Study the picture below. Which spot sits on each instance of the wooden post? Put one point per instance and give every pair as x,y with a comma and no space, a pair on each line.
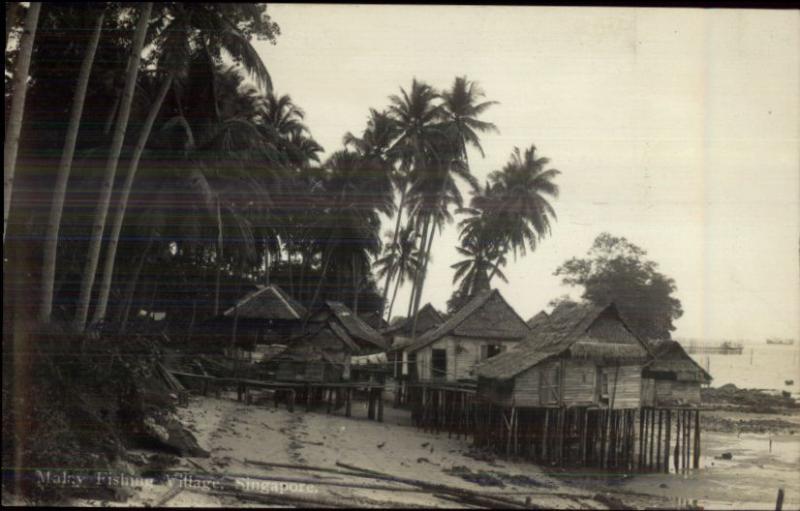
687,441
545,439
666,440
562,417
371,404
658,446
697,439
642,420
308,397
380,404
652,437
677,453
584,432
779,502
348,405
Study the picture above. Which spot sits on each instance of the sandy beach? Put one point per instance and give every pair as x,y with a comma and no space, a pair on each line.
237,435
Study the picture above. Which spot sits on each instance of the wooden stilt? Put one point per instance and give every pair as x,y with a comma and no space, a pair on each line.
348,405
584,433
667,431
677,453
696,463
545,439
658,441
380,405
652,437
642,420
687,441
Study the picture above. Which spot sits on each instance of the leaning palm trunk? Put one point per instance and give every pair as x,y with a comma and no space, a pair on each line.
11,18
325,265
99,224
64,168
394,295
394,243
119,216
422,280
132,283
20,84
412,305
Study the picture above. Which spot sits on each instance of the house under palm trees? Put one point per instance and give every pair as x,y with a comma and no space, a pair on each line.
484,327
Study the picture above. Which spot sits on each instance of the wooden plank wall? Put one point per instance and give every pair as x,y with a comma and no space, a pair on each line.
670,391
580,382
463,353
629,386
526,387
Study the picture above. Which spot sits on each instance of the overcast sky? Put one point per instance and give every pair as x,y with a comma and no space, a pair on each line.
677,129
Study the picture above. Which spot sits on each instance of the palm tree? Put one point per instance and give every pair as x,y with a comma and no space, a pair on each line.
479,261
104,200
518,198
401,261
178,39
20,88
462,107
355,191
64,168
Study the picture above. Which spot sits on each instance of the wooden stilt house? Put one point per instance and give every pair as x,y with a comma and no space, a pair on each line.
322,352
585,356
265,317
672,378
399,336
484,327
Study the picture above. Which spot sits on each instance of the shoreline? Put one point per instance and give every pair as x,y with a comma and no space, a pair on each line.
242,438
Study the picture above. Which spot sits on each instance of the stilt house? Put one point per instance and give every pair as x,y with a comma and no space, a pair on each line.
399,336
322,352
672,378
484,327
585,356
265,317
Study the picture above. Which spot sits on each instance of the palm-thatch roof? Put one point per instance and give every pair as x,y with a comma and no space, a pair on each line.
374,320
427,317
267,302
576,328
355,326
539,320
487,315
671,359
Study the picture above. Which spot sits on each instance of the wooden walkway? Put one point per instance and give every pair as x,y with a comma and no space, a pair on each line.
314,394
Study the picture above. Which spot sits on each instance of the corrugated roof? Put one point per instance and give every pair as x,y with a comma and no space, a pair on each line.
267,302
670,357
568,324
355,326
515,329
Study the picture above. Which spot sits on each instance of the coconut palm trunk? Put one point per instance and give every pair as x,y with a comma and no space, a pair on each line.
11,17
394,296
422,281
20,89
394,242
130,292
119,215
413,306
104,200
62,177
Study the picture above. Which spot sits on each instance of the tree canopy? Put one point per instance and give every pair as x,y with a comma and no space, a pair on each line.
616,270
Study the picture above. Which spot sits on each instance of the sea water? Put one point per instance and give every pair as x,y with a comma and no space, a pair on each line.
759,366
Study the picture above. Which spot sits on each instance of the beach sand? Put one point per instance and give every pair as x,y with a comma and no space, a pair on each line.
235,433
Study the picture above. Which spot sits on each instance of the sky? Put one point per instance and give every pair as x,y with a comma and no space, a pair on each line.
678,129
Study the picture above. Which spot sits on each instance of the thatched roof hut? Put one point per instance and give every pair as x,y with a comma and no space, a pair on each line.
487,315
671,361
427,318
567,360
374,320
672,377
365,337
539,320
267,303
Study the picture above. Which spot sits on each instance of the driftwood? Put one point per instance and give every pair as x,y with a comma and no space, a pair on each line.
169,495
466,496
278,498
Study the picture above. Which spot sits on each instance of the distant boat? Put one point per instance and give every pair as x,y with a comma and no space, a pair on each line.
784,342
